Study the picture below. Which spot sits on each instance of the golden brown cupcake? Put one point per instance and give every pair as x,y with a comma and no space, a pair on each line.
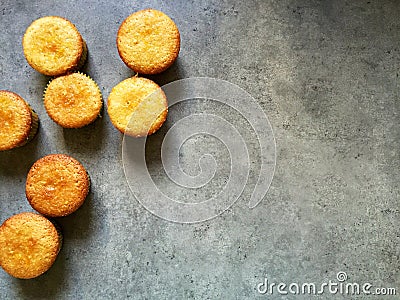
18,122
73,100
57,185
53,46
148,41
137,106
29,244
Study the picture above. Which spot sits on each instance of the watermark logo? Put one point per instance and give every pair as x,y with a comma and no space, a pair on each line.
170,207
339,286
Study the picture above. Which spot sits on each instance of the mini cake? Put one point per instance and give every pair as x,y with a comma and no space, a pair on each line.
73,100
29,245
53,46
148,41
137,106
57,185
18,122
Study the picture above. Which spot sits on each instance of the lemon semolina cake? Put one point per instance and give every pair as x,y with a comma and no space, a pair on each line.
57,185
29,245
53,46
148,41
73,100
137,107
18,122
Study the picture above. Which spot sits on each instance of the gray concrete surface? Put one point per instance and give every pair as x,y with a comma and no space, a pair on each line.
327,75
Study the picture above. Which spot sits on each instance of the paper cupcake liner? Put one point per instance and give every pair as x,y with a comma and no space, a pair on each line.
90,184
83,58
59,232
34,127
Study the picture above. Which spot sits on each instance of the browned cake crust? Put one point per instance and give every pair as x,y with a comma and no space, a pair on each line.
73,100
137,106
18,122
148,41
53,46
29,244
57,185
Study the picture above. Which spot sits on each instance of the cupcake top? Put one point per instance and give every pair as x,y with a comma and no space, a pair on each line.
15,120
148,41
57,185
73,100
29,244
53,46
137,106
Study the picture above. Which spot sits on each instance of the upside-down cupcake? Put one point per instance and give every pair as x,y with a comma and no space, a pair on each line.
18,121
137,107
29,245
148,41
57,185
73,100
53,46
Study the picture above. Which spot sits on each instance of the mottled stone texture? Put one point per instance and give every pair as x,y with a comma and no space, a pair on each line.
327,75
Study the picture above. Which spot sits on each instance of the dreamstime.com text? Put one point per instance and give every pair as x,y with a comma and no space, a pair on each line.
338,286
